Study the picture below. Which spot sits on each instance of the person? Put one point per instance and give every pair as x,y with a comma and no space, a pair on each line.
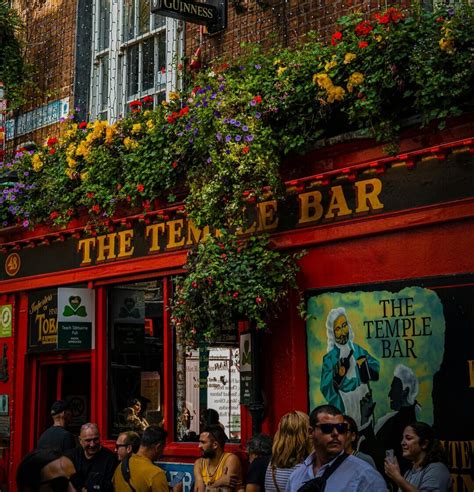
216,469
347,371
389,428
56,436
259,450
137,471
46,470
352,440
95,465
428,471
209,416
126,444
329,463
134,420
291,445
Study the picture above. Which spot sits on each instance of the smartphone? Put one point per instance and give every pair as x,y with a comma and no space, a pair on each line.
390,455
177,478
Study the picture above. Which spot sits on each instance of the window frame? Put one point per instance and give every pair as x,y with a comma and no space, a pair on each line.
117,51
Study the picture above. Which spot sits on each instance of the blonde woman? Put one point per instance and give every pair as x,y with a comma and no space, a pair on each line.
291,445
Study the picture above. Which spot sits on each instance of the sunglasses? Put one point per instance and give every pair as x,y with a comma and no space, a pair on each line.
58,484
328,428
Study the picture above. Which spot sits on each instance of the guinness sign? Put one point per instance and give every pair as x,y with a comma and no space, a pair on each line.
212,14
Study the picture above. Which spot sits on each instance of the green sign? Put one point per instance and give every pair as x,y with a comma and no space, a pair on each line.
6,315
74,335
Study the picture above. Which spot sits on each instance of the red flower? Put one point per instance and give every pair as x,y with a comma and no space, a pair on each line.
440,19
146,205
336,37
195,90
163,70
184,111
95,209
171,118
257,99
363,44
82,125
246,149
70,212
394,14
54,215
382,19
140,188
235,295
174,165
52,141
147,100
258,300
90,194
224,256
194,284
363,28
52,151
135,105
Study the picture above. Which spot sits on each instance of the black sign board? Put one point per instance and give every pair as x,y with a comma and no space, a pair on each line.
212,14
42,320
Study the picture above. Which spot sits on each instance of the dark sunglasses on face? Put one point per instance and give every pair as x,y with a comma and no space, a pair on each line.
328,428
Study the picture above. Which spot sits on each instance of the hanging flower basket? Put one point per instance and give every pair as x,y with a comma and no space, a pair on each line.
228,279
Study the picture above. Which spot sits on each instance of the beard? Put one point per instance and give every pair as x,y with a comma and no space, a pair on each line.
209,453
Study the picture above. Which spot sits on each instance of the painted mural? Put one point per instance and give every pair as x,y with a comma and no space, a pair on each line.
381,356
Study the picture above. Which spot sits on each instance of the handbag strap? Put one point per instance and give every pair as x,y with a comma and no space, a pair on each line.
273,467
319,483
332,468
125,469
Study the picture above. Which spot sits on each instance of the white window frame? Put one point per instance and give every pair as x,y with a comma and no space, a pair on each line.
117,100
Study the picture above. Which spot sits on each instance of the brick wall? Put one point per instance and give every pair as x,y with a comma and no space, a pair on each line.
49,37
283,22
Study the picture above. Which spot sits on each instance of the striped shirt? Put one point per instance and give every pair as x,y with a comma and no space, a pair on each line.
281,477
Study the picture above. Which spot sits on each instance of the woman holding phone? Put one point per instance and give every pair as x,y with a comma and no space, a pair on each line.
428,471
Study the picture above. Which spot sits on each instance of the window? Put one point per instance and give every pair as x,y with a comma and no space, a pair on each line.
134,55
208,389
135,326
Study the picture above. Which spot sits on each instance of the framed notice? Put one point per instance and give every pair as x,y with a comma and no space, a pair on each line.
6,317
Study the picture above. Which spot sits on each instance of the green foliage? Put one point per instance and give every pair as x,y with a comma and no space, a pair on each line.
13,69
229,279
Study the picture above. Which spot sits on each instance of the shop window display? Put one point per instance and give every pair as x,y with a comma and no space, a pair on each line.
208,389
135,327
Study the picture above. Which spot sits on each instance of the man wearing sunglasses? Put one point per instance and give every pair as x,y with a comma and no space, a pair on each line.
94,464
126,444
328,467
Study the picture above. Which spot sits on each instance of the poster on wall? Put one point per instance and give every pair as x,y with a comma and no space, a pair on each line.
42,320
76,317
128,314
388,355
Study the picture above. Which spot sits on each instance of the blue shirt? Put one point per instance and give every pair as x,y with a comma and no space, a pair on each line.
352,475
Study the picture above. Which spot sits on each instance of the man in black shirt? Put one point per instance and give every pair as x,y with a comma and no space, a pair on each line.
259,450
56,436
95,465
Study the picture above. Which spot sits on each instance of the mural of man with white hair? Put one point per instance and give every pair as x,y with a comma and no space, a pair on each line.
403,392
347,370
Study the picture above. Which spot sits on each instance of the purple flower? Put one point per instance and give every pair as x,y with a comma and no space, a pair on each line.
245,128
258,67
253,103
227,151
228,138
219,136
238,138
196,131
26,223
61,120
248,138
71,116
226,120
232,121
241,67
221,87
191,140
213,95
209,160
26,173
217,114
258,115
180,134
237,123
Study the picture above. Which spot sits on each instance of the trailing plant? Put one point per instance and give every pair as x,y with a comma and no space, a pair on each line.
230,278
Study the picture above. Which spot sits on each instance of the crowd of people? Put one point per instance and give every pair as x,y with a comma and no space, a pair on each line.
307,454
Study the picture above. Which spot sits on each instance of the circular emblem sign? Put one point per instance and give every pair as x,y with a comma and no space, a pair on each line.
12,264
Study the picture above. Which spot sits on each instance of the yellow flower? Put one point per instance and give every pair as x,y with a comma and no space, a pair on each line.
281,70
336,93
164,103
378,38
348,57
71,132
136,128
173,96
277,61
36,162
109,135
83,149
323,80
447,45
150,124
85,175
70,173
71,162
129,143
356,78
330,65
